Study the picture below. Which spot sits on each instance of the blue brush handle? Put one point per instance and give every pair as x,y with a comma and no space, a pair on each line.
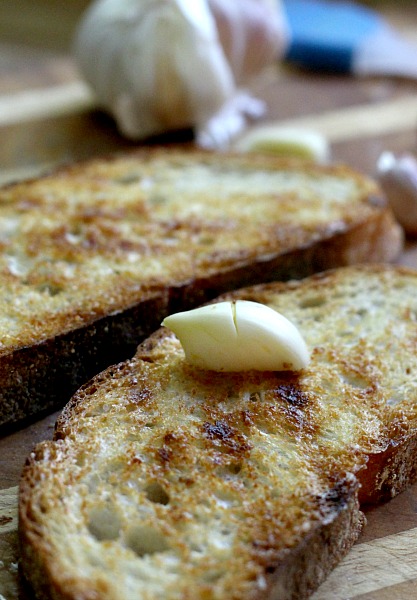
324,35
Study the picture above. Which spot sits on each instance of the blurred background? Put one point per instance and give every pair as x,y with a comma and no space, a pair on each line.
47,116
40,23
49,24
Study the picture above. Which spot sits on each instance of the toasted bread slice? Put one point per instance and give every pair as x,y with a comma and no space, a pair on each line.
95,255
167,481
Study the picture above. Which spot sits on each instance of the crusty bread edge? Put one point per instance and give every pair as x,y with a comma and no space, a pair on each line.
390,472
32,568
308,566
41,378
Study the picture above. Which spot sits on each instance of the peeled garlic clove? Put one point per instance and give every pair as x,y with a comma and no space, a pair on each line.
285,141
398,178
239,336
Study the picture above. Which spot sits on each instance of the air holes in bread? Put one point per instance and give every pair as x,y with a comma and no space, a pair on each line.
400,284
80,461
157,199
146,540
212,576
128,179
265,429
15,266
229,471
313,302
104,523
393,401
156,493
50,289
196,548
234,468
206,241
100,409
355,380
225,498
411,314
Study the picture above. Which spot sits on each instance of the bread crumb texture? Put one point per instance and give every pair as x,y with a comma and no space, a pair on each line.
165,481
100,236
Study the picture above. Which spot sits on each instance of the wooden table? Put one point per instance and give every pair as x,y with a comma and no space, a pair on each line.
47,117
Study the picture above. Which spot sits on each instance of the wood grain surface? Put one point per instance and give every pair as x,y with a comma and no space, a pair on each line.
48,117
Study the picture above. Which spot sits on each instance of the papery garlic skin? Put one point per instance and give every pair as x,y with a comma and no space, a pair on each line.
159,65
398,178
252,34
239,336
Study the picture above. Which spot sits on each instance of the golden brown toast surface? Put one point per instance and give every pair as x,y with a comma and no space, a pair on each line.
169,481
90,238
98,239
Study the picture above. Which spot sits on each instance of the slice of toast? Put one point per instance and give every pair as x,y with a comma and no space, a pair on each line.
95,255
167,481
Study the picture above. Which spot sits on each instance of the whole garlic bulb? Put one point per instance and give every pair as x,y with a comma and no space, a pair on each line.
162,65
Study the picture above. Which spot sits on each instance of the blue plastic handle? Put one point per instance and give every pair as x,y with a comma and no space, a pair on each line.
324,35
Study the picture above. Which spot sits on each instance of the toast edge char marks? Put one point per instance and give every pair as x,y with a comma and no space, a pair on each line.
295,572
73,356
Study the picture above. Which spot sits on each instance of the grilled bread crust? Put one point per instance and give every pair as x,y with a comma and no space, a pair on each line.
166,481
93,256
